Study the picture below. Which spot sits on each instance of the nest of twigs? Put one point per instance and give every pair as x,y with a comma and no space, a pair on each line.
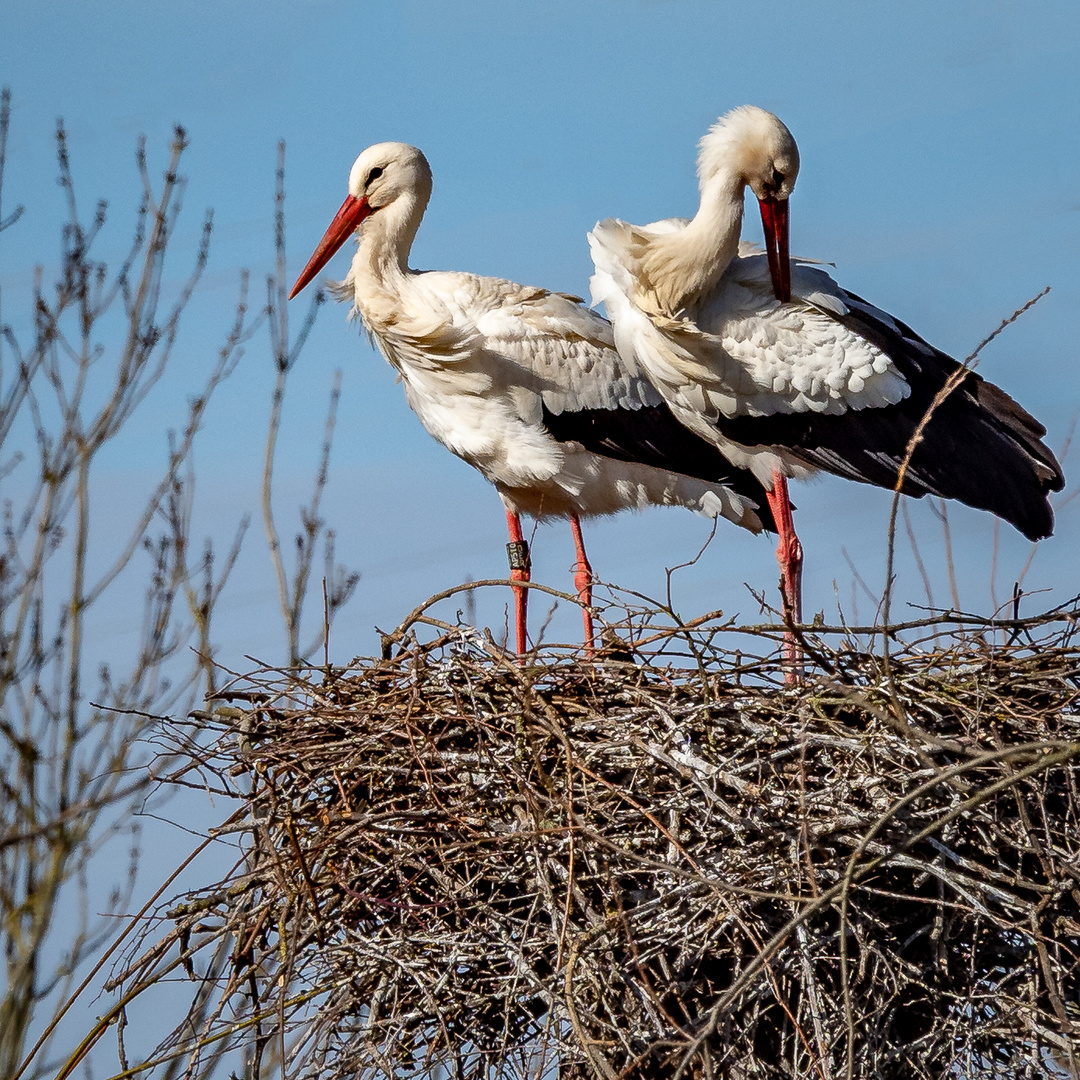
661,864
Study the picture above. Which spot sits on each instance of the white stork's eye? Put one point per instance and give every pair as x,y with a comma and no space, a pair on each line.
373,175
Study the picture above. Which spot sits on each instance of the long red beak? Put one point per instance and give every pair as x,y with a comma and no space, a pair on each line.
352,212
774,217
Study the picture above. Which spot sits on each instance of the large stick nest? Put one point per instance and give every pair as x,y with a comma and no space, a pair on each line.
633,868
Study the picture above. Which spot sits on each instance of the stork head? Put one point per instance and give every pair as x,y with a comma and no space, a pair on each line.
755,149
388,171
390,178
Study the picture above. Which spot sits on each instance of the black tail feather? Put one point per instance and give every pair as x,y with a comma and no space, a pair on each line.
652,436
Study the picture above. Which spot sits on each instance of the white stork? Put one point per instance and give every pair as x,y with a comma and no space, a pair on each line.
523,384
785,372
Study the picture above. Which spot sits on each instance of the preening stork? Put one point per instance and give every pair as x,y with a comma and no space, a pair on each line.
523,384
787,373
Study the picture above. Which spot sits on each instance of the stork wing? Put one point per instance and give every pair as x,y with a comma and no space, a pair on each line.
738,352
979,445
554,346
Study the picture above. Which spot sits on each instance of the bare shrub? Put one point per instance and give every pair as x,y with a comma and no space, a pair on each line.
73,763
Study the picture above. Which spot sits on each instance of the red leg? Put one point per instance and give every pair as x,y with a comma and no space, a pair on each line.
583,581
790,557
517,551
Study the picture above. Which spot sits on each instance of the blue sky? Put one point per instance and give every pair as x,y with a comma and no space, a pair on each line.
939,173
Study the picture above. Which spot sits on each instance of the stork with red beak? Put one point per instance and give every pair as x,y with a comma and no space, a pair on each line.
785,372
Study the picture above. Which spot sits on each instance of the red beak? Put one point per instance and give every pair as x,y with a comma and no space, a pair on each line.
774,217
352,212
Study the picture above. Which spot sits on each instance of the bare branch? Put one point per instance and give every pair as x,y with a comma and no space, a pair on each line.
293,591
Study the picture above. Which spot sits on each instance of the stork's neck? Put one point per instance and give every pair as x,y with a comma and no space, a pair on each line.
682,266
381,263
716,227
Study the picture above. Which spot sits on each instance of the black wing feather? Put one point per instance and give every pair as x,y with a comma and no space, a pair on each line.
651,435
979,446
